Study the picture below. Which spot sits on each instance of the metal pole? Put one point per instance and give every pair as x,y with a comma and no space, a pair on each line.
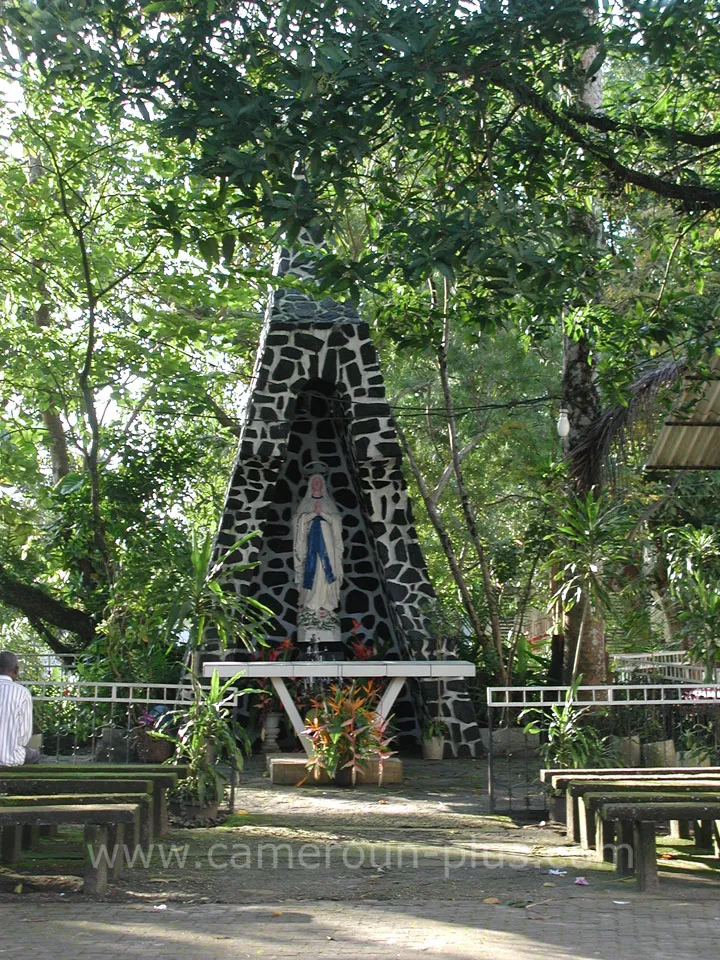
491,785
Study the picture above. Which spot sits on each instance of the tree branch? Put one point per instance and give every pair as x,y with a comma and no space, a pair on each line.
690,193
444,537
222,417
448,471
36,605
668,134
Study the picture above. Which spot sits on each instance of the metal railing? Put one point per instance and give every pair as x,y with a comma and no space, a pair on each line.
670,665
82,720
638,725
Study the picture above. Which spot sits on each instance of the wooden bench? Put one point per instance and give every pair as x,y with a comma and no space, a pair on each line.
600,834
46,789
180,768
161,781
141,835
560,779
103,835
582,823
550,773
547,774
637,832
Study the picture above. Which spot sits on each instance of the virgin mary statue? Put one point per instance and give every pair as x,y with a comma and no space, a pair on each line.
318,551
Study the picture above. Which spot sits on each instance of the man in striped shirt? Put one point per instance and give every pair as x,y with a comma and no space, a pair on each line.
15,716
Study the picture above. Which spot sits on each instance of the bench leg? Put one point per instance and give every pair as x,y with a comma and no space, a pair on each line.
605,839
96,859
571,819
586,823
11,844
624,850
115,841
30,836
703,834
557,804
147,824
160,810
716,838
680,829
645,855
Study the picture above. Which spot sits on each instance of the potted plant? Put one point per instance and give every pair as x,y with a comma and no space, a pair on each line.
345,732
658,750
267,704
204,734
568,740
698,745
434,730
628,750
433,739
149,747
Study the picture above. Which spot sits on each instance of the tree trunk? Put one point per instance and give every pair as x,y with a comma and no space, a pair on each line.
589,655
445,541
58,445
468,515
54,425
583,405
582,401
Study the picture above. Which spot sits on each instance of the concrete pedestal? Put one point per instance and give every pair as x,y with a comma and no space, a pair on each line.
290,770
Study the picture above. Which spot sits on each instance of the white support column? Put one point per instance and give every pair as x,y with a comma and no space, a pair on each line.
389,697
292,711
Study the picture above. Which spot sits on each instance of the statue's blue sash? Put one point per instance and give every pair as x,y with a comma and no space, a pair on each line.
316,550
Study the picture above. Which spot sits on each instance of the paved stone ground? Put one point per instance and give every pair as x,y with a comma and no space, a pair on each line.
417,869
584,928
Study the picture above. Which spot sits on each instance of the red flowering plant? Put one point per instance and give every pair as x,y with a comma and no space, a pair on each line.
359,647
346,732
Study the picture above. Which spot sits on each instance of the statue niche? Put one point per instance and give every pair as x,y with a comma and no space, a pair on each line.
318,564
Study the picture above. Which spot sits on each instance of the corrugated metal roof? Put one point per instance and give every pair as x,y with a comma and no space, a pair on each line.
690,437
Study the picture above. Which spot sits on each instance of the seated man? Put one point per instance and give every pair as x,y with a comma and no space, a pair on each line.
15,716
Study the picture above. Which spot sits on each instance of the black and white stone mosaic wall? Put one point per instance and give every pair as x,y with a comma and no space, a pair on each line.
318,395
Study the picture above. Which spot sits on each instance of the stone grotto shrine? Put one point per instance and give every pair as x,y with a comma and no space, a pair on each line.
317,402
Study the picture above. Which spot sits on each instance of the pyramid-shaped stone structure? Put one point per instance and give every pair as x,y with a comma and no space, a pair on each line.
318,396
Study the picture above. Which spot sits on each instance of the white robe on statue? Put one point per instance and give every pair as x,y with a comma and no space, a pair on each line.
322,594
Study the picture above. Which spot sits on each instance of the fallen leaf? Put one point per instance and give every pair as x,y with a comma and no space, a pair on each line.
276,913
491,900
18,888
